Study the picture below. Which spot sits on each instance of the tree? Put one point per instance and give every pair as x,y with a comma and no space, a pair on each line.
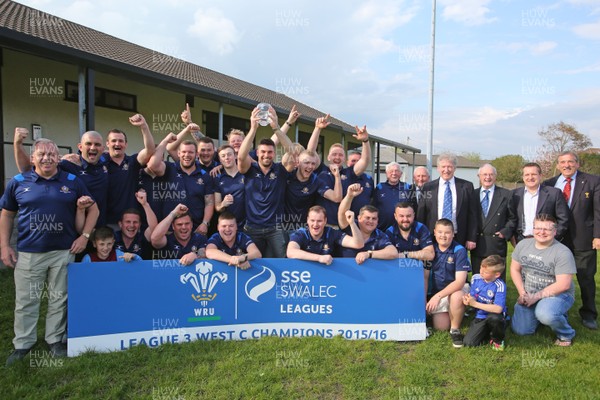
472,156
557,138
590,163
509,168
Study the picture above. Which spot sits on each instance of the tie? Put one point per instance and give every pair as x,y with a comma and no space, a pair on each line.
485,203
447,209
567,189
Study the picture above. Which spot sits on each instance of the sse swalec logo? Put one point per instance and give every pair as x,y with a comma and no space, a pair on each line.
260,284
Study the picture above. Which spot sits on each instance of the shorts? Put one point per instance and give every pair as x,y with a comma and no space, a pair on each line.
444,304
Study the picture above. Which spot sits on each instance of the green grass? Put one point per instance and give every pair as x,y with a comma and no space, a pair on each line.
307,368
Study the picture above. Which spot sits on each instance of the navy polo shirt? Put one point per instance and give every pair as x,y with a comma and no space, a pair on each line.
139,246
240,246
46,210
209,167
265,195
331,207
299,197
175,250
162,195
195,186
419,237
122,179
377,241
233,185
446,264
95,178
329,241
385,198
348,178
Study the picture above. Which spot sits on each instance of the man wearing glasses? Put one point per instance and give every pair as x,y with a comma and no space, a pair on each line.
542,270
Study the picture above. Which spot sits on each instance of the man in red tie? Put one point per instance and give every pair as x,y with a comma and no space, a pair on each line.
582,194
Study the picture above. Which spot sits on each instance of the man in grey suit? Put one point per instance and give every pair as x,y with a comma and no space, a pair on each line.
491,202
535,199
449,197
582,194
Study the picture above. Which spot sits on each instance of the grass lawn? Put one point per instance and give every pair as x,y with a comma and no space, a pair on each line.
309,368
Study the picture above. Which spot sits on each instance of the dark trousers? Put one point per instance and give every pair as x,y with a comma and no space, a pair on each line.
586,269
270,241
481,330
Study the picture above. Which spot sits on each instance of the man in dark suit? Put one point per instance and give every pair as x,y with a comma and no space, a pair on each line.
449,197
491,202
582,194
534,199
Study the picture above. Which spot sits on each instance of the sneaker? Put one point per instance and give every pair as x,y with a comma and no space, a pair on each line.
563,342
58,349
16,355
457,339
497,346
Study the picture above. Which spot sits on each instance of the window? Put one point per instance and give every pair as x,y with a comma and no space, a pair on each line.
211,121
104,97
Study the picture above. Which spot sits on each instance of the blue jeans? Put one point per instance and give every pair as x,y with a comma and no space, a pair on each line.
551,311
270,241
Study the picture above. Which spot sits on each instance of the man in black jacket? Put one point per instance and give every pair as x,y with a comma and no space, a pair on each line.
491,202
582,194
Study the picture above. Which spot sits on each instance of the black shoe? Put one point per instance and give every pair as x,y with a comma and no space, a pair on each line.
457,339
58,349
16,355
590,324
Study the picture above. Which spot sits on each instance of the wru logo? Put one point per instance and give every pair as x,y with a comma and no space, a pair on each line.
204,282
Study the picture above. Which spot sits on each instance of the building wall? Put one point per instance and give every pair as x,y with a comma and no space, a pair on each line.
33,92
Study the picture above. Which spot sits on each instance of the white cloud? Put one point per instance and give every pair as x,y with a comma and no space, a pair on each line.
542,47
468,12
377,21
218,33
535,49
588,31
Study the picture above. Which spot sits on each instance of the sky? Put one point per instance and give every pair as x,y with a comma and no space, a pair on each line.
504,69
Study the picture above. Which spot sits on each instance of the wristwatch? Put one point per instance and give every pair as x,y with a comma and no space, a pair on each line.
370,253
86,235
207,223
405,253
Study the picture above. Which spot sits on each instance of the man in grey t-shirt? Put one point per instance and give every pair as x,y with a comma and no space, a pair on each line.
542,270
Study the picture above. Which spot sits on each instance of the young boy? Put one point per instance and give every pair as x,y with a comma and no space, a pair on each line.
488,296
449,270
103,240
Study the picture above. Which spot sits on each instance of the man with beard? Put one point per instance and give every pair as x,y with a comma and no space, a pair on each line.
318,242
264,182
183,243
376,243
230,193
388,194
230,246
187,182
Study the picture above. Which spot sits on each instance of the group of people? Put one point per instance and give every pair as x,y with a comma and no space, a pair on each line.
235,204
